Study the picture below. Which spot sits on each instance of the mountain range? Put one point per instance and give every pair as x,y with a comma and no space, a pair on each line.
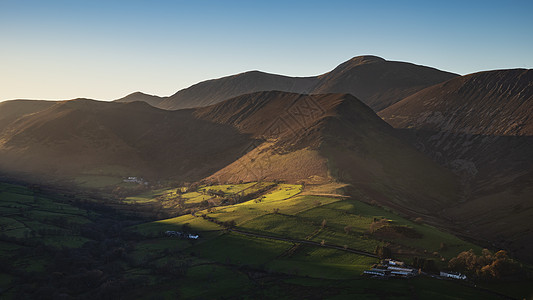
453,150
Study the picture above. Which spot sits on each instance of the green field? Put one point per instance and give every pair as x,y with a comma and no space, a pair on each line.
239,253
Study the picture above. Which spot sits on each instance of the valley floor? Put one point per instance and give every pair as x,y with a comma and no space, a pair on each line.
255,241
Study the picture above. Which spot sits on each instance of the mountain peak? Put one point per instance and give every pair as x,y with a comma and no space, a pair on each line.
153,100
364,59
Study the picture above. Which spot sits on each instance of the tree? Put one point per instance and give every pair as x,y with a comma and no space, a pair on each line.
347,229
486,266
383,251
324,222
430,266
443,246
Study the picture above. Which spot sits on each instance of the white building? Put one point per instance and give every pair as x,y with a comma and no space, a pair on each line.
377,272
393,262
453,275
182,234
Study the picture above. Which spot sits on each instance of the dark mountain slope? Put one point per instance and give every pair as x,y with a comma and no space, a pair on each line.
11,110
81,136
489,103
214,91
481,126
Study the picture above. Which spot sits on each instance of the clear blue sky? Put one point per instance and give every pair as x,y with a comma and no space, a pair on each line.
107,49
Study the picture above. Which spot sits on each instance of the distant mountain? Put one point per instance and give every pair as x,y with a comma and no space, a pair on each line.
217,90
138,96
481,126
377,82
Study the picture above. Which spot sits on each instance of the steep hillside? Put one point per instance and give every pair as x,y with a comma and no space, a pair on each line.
373,80
86,137
488,103
320,138
480,126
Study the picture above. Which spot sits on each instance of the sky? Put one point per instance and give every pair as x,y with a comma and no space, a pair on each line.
56,50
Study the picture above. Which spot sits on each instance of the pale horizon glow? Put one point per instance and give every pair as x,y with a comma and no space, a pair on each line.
105,50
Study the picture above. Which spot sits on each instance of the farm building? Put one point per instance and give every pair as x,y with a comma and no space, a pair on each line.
133,179
377,272
182,235
392,262
394,268
453,275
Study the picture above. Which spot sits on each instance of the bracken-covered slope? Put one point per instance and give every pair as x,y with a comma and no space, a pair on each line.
331,137
375,81
481,126
489,103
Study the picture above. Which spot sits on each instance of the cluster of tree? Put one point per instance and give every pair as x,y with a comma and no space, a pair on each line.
225,224
487,266
427,265
383,251
215,193
377,223
230,199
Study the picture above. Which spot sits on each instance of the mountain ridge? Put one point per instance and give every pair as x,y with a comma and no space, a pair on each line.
374,80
